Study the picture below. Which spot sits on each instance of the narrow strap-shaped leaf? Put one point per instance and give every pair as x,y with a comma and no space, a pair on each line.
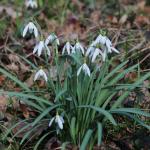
99,132
131,110
72,128
40,140
115,70
86,139
107,114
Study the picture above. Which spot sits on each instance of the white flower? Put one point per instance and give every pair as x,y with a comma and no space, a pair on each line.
90,51
67,48
95,54
39,74
79,47
52,38
85,69
40,47
105,43
99,52
31,28
31,4
58,119
100,39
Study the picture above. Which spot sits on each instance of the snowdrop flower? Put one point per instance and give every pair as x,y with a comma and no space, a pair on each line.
58,120
52,38
85,69
39,74
31,4
40,47
31,28
105,42
67,48
79,47
100,39
95,54
90,51
99,52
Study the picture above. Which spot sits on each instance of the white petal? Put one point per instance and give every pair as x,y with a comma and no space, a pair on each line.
47,41
68,47
35,32
51,121
86,70
79,47
25,31
48,50
60,124
35,49
90,50
108,45
114,49
63,51
73,50
40,47
94,44
36,76
57,41
82,49
44,76
62,120
95,54
79,70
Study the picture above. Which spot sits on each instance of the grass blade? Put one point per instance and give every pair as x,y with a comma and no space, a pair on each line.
86,139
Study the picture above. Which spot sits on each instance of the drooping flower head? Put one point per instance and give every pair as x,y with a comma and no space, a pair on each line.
31,4
52,38
85,69
40,73
67,48
40,47
58,120
78,47
31,28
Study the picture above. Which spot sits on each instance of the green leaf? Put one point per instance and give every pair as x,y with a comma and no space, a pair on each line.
130,110
99,132
60,94
72,128
102,111
40,140
86,139
115,70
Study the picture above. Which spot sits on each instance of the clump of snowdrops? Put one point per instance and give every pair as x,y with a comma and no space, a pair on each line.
81,94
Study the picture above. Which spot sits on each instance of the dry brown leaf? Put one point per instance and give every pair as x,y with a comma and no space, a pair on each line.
3,103
29,81
141,20
25,110
10,11
13,67
123,19
13,58
2,79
